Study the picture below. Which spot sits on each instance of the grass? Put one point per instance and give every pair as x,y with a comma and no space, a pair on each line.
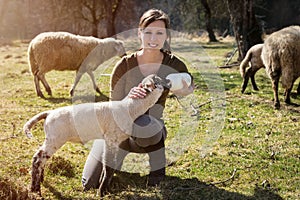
254,149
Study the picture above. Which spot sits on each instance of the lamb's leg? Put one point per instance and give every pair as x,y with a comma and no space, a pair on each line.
246,79
39,160
77,79
90,73
37,86
254,86
109,166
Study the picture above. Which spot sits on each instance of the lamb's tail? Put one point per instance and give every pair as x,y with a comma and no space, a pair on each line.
245,63
29,124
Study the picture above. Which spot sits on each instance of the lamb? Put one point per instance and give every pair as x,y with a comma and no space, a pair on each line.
65,51
253,57
111,121
281,57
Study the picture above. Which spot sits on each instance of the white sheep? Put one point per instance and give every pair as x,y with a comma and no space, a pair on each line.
65,51
111,121
281,57
252,58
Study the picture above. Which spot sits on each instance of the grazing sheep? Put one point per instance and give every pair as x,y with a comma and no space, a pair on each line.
111,121
65,51
253,57
281,57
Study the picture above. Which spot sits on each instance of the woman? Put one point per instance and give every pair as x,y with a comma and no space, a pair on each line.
149,132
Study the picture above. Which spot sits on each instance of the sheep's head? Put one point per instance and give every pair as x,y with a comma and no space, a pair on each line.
153,81
120,48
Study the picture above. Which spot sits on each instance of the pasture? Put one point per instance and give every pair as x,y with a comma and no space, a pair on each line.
223,144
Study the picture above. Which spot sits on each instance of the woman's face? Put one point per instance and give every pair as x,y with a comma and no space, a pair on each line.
154,35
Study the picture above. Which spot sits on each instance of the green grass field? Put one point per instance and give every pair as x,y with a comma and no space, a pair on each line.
229,146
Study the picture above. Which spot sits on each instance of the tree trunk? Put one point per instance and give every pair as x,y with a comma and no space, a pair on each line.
211,35
111,12
246,29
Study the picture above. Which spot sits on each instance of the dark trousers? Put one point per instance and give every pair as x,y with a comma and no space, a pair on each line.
138,143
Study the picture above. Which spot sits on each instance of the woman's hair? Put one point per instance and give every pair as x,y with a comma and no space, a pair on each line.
153,15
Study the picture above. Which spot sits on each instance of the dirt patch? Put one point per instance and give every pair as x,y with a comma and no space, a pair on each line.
9,190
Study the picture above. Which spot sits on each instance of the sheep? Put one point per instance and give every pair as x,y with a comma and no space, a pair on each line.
111,121
65,51
253,57
281,57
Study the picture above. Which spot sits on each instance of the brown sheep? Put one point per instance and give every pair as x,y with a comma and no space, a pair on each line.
281,57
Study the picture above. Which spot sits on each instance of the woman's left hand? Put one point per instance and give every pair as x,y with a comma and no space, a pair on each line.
137,92
185,90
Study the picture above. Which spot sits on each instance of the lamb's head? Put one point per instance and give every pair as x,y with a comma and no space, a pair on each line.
117,45
153,81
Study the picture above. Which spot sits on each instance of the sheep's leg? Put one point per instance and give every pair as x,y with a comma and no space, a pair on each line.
38,87
90,73
77,79
287,95
45,83
246,79
275,81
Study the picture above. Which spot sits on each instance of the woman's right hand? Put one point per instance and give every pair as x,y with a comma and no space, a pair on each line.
137,92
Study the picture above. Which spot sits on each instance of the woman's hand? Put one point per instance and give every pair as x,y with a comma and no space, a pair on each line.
186,90
137,92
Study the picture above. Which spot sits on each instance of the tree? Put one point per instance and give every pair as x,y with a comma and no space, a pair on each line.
112,8
211,34
246,28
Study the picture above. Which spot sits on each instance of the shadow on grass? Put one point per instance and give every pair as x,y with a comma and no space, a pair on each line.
133,186
177,188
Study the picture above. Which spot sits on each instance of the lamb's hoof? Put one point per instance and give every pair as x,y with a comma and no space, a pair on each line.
71,92
277,106
98,91
36,190
103,192
288,101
